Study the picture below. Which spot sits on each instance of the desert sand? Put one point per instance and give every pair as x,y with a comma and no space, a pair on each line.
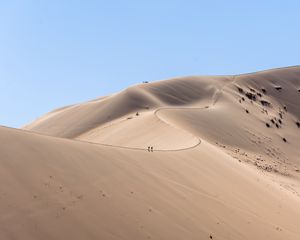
225,163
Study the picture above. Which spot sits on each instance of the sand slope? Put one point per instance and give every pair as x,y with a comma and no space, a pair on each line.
215,109
217,170
60,189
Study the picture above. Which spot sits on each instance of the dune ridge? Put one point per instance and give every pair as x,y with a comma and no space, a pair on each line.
224,163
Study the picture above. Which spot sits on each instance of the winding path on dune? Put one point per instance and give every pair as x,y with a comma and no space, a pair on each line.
215,99
125,147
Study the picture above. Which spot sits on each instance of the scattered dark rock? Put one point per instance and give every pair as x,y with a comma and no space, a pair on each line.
259,94
265,103
268,125
285,108
278,88
243,98
246,110
137,114
280,115
279,120
251,96
277,125
272,120
210,236
252,90
298,124
240,90
264,90
284,139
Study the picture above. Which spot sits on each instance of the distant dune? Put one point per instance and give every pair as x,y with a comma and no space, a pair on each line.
200,157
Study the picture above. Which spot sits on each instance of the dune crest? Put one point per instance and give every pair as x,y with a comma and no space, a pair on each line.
224,163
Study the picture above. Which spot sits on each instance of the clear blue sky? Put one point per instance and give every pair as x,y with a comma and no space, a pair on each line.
58,52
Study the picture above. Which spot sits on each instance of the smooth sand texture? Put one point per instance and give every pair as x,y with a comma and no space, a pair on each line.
217,171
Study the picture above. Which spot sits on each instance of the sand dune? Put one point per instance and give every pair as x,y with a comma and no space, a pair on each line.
225,163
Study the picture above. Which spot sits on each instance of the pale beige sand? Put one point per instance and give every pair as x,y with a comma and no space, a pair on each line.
216,171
